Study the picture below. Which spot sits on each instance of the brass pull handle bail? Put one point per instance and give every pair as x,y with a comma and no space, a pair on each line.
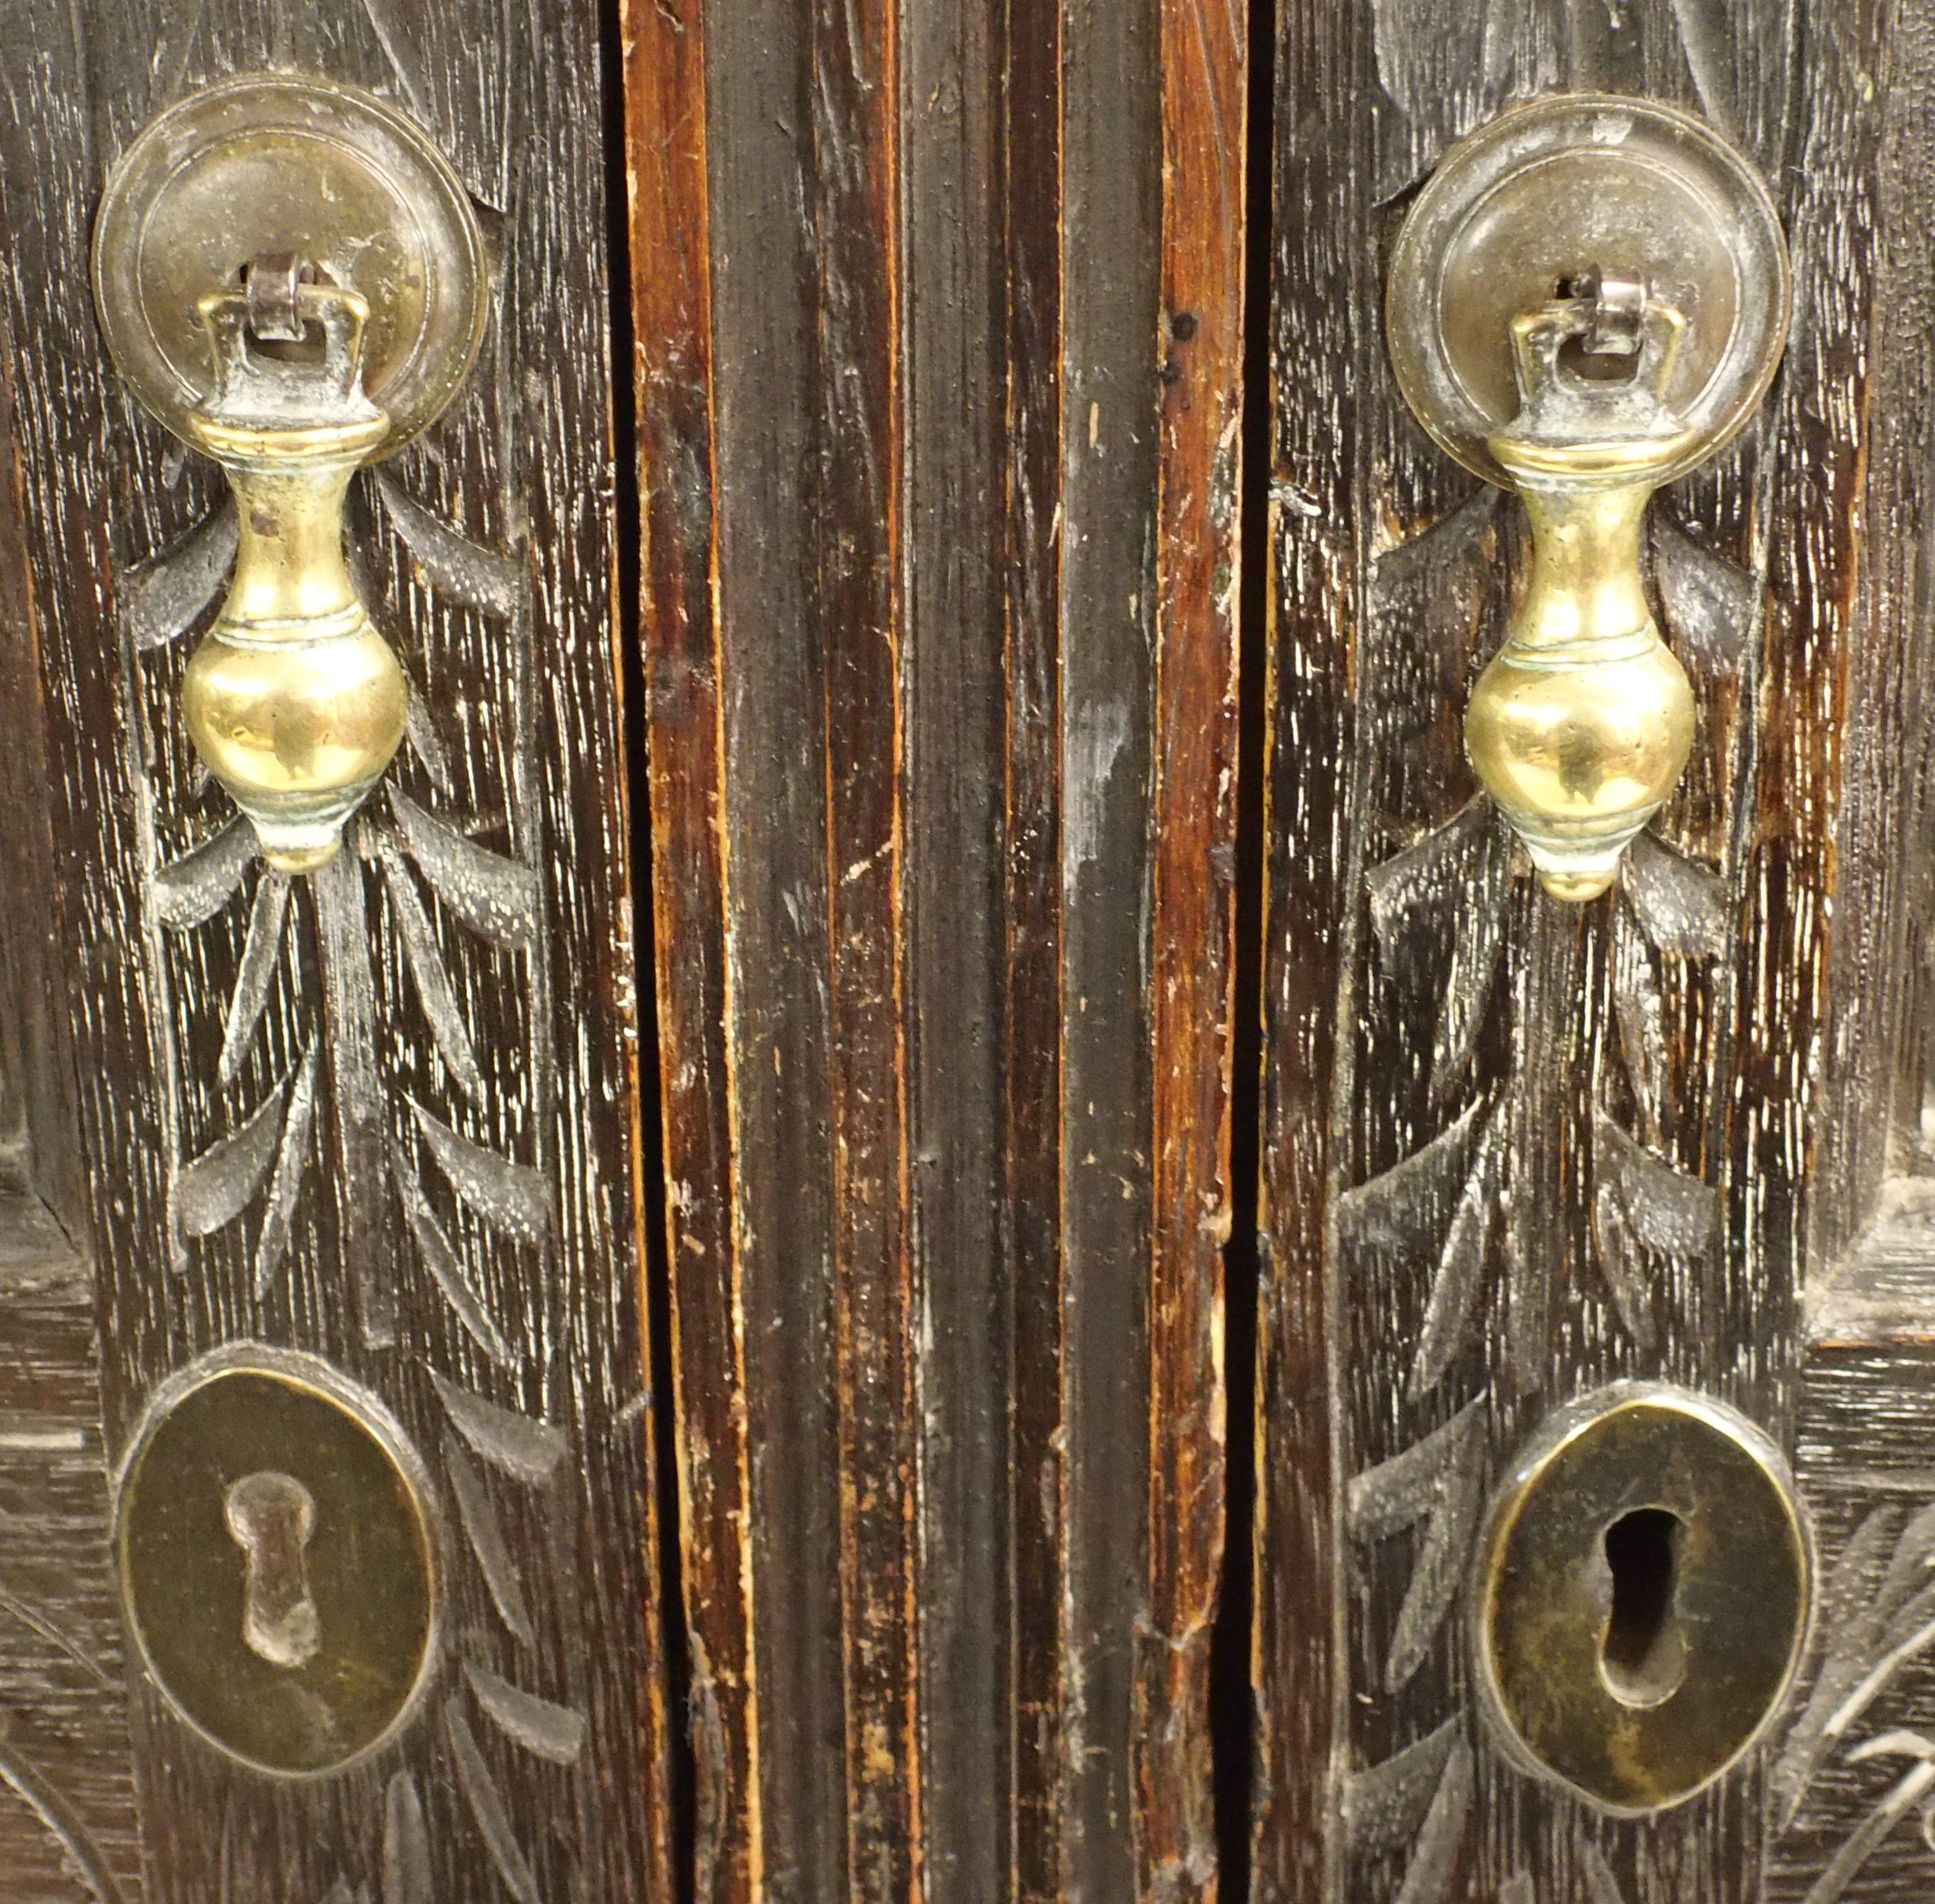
1573,238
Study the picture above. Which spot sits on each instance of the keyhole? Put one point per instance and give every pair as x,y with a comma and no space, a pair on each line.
1643,1654
272,1518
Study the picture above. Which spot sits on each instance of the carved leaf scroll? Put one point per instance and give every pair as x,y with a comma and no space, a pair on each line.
1417,1802
1877,1613
268,1155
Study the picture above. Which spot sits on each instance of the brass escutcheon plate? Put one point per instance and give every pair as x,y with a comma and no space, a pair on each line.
1638,1707
1541,194
278,1560
271,165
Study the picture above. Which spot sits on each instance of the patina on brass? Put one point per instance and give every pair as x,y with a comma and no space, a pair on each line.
278,1562
294,281
1588,300
270,166
1535,199
1636,1693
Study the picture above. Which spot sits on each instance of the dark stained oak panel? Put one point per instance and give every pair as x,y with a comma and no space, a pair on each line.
386,1114
937,384
1513,1151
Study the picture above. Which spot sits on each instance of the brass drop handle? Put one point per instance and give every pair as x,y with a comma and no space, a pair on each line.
1588,298
1581,726
294,701
292,278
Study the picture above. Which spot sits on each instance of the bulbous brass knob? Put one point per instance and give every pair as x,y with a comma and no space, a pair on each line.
295,702
1581,725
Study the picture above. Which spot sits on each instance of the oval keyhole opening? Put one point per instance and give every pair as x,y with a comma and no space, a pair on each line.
1643,1654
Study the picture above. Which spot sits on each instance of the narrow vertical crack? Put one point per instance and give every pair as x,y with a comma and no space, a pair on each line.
629,477
1233,1695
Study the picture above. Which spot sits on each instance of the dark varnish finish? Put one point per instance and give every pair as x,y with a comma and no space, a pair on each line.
1848,1806
437,1035
1204,145
1513,1151
930,365
664,83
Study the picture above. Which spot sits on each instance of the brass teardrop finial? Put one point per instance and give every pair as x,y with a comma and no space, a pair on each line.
1581,726
295,700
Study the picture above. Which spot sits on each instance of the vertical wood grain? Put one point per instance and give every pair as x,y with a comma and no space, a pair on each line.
487,553
39,1123
1204,99
855,490
665,123
1466,1085
964,708
1033,526
953,292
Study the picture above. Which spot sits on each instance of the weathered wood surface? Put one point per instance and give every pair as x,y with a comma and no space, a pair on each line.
438,1035
932,363
1512,1152
1847,1794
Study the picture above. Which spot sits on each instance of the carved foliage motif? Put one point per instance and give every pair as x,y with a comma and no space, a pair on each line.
1550,1051
323,1112
1877,1620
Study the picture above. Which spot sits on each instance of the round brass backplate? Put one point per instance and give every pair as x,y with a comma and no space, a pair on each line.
272,165
278,1560
1538,197
1644,1597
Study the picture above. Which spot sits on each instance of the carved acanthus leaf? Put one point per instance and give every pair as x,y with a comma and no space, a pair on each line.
1874,1619
440,1257
1680,904
193,889
164,597
1913,1792
512,1198
262,950
212,1190
291,1163
406,1872
485,1532
495,897
527,1449
539,1726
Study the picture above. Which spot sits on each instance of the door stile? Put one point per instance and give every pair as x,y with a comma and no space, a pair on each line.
937,372
672,329
1034,1145
1199,556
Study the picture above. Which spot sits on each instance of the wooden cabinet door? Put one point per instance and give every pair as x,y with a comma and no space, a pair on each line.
1515,1149
928,1134
938,321
880,630
376,1128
